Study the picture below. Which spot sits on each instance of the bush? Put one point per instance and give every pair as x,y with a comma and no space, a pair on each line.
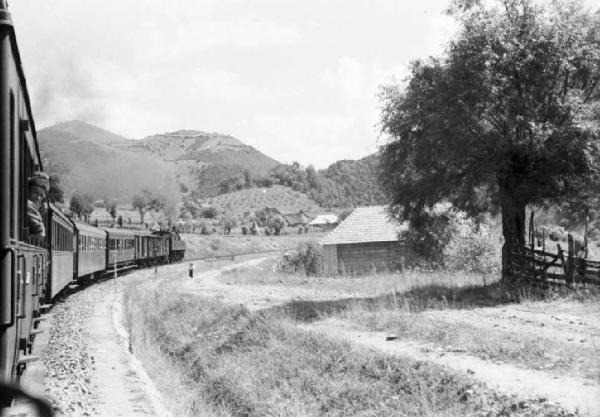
474,249
447,238
310,256
209,213
432,230
557,234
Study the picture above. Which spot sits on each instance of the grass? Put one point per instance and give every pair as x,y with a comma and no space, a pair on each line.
509,346
280,197
403,304
198,246
237,363
365,285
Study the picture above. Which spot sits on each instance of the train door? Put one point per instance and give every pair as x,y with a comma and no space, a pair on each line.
20,306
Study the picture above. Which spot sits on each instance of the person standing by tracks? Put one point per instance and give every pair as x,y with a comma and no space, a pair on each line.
191,271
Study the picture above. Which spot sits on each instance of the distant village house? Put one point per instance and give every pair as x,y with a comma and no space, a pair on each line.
325,221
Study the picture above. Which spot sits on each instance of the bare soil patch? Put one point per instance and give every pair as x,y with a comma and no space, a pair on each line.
575,394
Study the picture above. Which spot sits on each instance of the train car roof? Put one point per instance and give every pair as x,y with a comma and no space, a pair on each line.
56,212
6,23
89,229
143,233
121,232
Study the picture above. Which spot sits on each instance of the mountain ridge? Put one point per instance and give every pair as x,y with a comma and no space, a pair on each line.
193,164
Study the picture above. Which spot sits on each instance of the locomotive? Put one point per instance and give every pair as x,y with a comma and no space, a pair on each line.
34,267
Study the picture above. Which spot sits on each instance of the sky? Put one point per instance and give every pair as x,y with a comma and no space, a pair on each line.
297,80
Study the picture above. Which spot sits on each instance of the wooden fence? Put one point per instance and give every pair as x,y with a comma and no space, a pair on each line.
561,267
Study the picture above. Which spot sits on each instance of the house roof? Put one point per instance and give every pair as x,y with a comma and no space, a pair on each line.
325,219
366,224
295,218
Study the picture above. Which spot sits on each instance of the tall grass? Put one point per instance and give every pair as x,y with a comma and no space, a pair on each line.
238,363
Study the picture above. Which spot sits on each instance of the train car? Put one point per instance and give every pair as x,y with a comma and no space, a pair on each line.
120,249
175,246
90,255
160,247
61,235
24,256
142,247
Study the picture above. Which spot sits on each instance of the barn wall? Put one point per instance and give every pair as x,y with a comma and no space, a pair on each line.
330,261
361,258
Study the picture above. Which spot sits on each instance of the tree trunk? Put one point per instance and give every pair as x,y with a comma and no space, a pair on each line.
513,227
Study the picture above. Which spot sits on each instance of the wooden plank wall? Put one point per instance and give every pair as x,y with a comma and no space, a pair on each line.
330,260
362,258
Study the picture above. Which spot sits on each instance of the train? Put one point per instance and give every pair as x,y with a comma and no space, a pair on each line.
36,266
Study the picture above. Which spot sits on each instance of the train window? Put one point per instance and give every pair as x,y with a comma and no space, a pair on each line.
26,169
21,277
34,274
13,209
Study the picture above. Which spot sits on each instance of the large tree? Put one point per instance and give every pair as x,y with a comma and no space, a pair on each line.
510,111
82,205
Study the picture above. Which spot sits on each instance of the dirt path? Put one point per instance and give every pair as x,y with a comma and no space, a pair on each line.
571,393
122,386
253,297
552,322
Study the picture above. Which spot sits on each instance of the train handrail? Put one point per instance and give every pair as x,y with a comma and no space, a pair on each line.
23,279
13,261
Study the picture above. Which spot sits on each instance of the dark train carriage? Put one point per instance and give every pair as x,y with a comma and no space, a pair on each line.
24,257
61,237
120,248
177,249
175,246
142,247
90,258
160,247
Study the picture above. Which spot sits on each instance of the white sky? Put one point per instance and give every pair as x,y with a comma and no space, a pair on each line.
296,79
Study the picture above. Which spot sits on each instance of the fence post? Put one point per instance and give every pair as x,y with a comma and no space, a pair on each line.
531,238
585,236
571,261
562,259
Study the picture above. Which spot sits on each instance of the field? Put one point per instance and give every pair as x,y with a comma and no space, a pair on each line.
200,246
282,198
248,341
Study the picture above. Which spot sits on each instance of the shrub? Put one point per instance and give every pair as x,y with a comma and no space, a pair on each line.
432,230
310,256
209,213
448,238
557,234
474,249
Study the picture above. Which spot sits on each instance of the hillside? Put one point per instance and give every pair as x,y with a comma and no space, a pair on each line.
86,132
203,160
201,169
345,183
97,162
87,160
282,198
353,183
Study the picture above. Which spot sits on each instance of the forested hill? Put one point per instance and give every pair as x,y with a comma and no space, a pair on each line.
345,183
354,183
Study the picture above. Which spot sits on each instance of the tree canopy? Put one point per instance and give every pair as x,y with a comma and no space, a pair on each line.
507,116
82,205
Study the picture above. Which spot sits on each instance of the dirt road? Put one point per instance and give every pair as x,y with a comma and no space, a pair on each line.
571,393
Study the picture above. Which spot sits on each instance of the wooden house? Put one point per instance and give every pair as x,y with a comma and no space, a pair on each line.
366,241
296,219
325,222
